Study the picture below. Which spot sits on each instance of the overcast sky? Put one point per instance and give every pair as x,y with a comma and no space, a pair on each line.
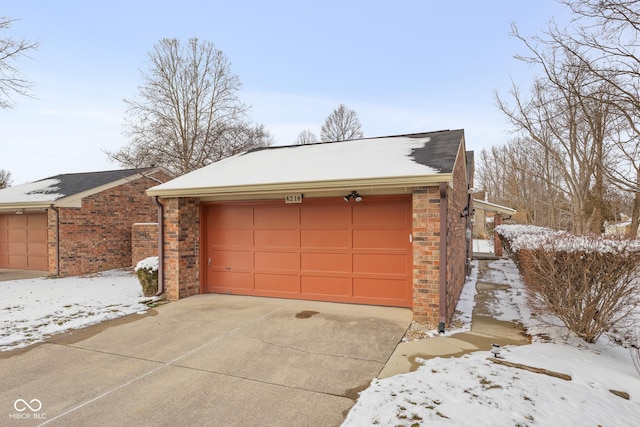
406,66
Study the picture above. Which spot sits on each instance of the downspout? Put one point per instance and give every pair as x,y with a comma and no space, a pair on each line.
53,208
443,256
160,246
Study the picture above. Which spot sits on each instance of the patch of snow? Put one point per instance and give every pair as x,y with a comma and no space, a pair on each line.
471,390
33,309
39,191
151,263
385,158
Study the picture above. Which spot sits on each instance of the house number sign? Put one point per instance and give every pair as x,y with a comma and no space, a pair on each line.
293,198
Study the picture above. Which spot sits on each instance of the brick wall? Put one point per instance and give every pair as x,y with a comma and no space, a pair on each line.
181,247
144,241
97,236
426,254
426,246
457,254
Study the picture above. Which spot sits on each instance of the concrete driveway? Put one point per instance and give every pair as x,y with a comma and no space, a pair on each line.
205,360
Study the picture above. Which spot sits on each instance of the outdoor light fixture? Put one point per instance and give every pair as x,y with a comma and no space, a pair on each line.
353,195
465,212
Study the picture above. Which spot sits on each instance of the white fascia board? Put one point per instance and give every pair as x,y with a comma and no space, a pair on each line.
492,207
305,187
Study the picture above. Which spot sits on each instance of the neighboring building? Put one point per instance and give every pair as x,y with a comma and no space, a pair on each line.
77,223
373,221
619,229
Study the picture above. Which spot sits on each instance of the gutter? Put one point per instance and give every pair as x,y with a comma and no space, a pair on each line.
443,257
160,246
57,238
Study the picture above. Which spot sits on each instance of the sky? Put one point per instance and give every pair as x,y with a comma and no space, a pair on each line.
404,67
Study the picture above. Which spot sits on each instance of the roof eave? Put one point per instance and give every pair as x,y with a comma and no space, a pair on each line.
306,187
12,207
493,207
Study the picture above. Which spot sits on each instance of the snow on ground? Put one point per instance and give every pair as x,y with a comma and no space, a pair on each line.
473,391
33,309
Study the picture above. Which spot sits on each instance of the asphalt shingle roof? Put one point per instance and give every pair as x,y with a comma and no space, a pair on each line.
74,183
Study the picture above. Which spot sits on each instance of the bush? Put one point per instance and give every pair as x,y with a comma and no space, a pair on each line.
147,273
592,284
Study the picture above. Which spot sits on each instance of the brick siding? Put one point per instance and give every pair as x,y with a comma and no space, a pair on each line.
144,241
426,247
97,236
181,247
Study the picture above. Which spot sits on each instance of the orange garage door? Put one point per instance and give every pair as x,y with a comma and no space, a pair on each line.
321,249
23,241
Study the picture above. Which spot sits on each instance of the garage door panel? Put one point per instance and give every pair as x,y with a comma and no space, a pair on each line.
232,238
388,289
329,215
37,221
329,238
380,263
280,238
231,216
380,213
37,249
18,261
277,261
275,216
231,259
221,281
17,235
19,248
326,286
277,283
327,262
17,221
37,235
380,239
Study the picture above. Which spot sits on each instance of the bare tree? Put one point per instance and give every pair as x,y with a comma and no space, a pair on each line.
568,116
5,178
188,113
604,39
11,80
341,125
306,137
520,175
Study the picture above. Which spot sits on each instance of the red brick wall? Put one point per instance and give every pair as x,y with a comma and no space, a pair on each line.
181,247
97,236
457,234
144,241
426,254
426,247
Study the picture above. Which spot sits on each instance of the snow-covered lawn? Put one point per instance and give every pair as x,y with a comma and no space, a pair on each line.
473,391
464,391
33,309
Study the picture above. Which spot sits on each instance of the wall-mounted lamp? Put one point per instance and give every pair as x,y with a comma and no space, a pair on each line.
465,212
353,195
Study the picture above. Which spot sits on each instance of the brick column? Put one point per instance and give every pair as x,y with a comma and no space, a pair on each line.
497,244
426,255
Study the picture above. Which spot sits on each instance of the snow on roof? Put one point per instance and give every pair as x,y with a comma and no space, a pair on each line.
372,158
46,190
64,186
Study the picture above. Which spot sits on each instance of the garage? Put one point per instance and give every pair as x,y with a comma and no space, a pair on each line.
23,241
319,249
380,221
